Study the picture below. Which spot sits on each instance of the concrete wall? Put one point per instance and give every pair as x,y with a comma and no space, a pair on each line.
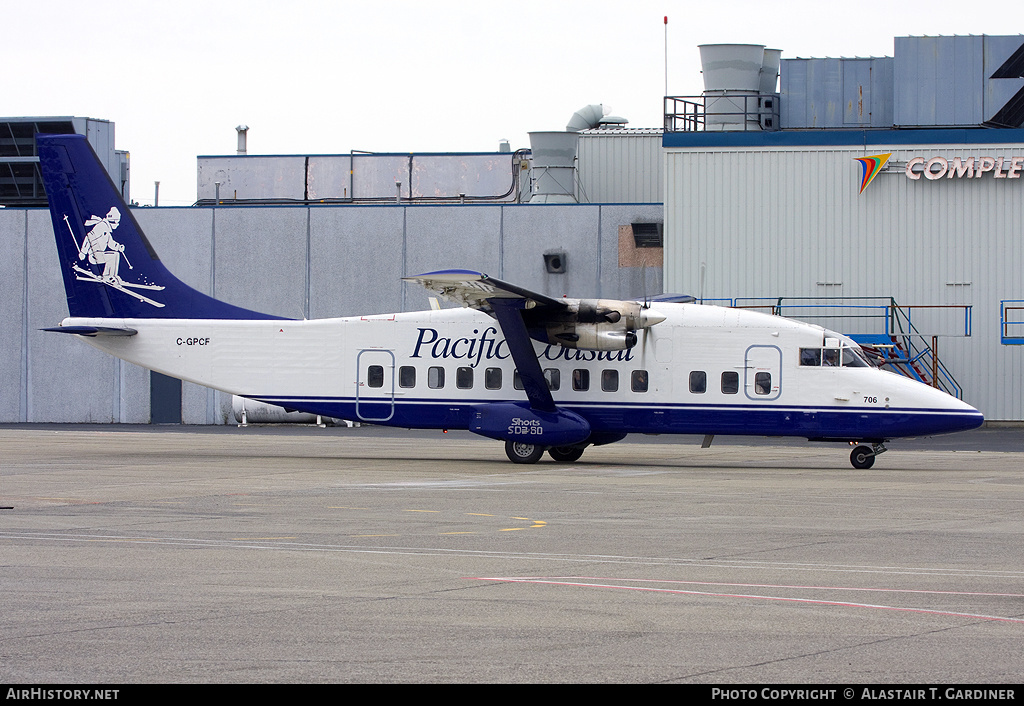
294,261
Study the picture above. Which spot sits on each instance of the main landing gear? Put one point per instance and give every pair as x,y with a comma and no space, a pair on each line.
863,457
519,452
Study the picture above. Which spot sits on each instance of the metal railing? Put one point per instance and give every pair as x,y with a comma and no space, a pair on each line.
741,111
1011,322
899,343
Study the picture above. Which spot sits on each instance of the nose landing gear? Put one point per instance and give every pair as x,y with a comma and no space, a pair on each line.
863,457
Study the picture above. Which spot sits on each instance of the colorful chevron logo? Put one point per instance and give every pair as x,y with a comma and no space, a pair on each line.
869,167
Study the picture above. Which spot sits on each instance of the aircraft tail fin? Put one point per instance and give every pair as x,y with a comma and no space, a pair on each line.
110,269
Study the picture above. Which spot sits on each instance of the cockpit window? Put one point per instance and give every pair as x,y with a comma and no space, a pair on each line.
847,357
810,356
854,358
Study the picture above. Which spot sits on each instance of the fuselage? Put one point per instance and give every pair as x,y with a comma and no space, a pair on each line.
703,370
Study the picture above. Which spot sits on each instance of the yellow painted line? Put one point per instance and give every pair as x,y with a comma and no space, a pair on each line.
512,529
479,514
520,518
70,500
421,511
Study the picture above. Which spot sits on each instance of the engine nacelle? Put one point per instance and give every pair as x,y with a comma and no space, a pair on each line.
598,337
597,324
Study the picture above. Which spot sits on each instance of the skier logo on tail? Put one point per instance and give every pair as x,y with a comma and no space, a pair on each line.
100,248
99,244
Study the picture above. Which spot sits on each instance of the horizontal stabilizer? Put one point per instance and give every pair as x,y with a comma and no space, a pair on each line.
92,330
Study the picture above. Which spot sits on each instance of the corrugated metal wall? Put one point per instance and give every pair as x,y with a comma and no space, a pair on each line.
836,93
619,166
358,176
788,221
952,80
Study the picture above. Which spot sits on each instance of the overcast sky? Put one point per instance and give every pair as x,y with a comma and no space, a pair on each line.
320,77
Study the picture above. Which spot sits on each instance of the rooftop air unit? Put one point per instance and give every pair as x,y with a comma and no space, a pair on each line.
732,85
554,166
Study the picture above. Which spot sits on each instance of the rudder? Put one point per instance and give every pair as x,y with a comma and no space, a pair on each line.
110,269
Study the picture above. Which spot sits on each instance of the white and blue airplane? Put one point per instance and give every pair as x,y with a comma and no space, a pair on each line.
539,373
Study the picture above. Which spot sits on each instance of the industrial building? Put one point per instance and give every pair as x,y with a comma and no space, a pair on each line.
887,202
880,196
20,181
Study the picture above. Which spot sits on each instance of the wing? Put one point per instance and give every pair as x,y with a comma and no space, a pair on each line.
474,289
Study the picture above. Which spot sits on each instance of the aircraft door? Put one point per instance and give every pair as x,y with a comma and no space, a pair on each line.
763,373
375,385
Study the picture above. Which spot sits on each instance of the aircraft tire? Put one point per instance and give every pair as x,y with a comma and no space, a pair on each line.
565,454
862,458
519,452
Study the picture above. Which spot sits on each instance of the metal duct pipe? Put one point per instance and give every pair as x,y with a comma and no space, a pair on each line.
592,116
243,130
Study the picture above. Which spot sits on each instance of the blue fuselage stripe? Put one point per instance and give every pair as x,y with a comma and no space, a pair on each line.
761,420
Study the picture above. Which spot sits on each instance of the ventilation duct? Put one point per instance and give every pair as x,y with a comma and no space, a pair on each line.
732,83
553,166
593,116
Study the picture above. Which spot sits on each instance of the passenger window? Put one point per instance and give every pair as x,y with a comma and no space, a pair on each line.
698,382
464,378
553,377
517,382
762,383
638,381
375,376
610,380
407,376
435,378
730,383
492,378
810,356
580,380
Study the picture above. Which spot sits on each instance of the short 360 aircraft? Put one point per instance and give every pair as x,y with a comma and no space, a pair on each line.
513,365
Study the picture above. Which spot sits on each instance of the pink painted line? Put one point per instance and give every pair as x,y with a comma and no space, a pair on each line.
776,585
784,599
